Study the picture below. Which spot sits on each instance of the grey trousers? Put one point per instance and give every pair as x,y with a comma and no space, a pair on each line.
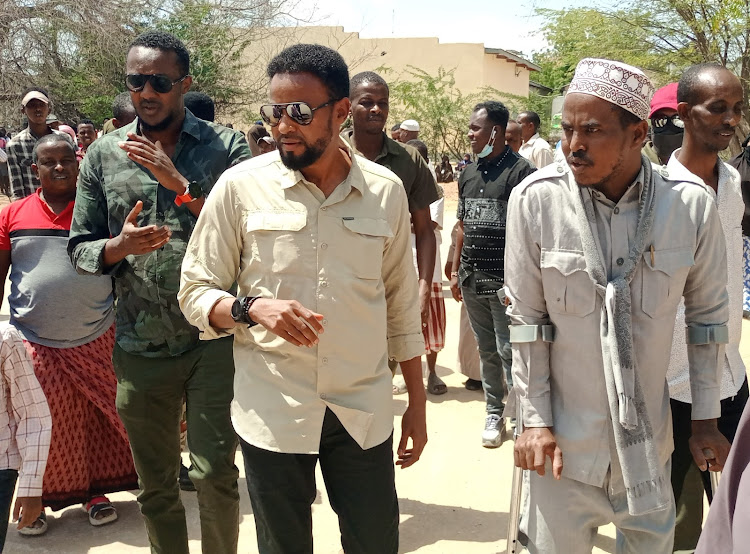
563,517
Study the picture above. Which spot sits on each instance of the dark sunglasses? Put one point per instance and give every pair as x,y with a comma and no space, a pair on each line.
160,83
299,112
661,122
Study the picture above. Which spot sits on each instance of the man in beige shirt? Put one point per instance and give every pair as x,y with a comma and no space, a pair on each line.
318,242
534,148
605,248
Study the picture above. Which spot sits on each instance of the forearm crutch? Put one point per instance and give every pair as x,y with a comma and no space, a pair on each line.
715,475
514,513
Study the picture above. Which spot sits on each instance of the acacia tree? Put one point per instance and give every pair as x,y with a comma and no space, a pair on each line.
662,37
76,48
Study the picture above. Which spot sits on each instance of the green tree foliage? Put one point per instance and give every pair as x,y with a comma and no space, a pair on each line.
662,37
76,48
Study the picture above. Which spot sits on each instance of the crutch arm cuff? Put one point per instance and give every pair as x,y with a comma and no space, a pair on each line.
718,334
532,333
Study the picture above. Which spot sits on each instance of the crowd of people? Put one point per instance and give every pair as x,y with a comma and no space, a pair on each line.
273,290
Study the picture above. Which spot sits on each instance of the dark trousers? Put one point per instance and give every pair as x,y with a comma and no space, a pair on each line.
686,477
360,484
150,392
8,479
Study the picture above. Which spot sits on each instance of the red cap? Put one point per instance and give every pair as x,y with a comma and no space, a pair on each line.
665,97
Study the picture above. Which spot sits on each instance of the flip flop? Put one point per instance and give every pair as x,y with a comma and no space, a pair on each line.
39,527
101,511
435,384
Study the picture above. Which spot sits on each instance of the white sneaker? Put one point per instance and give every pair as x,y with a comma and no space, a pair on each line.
494,431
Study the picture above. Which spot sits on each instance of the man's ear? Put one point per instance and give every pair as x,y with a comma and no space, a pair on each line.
640,132
683,110
342,109
35,169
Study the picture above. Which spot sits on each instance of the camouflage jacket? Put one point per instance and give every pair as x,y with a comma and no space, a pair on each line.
149,320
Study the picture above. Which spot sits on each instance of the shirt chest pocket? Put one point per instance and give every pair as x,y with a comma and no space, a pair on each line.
275,238
568,289
362,243
664,273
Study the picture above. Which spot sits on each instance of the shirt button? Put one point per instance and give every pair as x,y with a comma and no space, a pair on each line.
481,190
324,322
324,284
324,360
485,173
617,210
323,246
560,169
620,261
323,208
323,396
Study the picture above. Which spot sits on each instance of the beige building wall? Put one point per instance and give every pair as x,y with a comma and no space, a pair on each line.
475,66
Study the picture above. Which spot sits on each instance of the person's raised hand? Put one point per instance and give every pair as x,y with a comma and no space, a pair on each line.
152,156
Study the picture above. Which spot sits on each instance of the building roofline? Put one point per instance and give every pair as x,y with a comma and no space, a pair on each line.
511,57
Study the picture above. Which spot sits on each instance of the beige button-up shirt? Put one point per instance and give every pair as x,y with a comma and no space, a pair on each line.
347,257
731,208
561,384
537,151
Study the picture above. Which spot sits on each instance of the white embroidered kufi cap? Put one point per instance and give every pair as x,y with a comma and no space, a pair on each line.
616,82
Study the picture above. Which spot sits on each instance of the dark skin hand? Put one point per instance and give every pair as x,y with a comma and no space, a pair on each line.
153,157
135,240
26,510
534,446
708,446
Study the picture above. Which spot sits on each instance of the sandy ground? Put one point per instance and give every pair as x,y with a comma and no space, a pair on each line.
454,500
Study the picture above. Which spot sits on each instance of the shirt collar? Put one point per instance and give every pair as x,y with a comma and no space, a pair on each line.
632,193
497,160
680,172
532,139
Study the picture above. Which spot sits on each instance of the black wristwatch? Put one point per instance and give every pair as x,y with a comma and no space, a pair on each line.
240,308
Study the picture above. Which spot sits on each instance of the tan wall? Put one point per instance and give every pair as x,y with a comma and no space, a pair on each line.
474,68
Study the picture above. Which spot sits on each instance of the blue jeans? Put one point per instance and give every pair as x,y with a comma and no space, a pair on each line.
490,325
8,479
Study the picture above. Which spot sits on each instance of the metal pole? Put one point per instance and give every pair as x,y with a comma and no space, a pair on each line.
514,512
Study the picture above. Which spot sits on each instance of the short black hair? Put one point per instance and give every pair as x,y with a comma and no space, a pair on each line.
165,42
121,104
367,77
497,113
326,64
200,104
85,122
396,127
533,118
52,138
625,117
421,147
688,83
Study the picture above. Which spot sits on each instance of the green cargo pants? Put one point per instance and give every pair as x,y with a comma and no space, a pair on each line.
149,401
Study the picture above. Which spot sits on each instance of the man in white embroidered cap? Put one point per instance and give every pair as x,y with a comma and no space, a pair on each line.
601,250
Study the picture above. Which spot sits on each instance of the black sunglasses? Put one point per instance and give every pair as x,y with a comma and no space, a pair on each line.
661,122
160,83
299,112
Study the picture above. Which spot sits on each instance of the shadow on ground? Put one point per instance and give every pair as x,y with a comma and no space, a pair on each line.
431,523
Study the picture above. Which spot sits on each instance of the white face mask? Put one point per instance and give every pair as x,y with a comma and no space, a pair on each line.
487,150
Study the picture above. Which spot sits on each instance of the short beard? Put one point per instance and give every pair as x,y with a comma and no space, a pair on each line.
311,154
161,126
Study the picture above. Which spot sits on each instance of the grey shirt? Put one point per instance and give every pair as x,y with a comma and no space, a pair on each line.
561,384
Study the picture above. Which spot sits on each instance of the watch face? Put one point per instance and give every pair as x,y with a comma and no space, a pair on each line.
237,309
195,189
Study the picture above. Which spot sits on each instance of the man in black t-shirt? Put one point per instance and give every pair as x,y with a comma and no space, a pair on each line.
477,278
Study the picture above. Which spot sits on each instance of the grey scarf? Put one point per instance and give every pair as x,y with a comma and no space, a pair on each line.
647,488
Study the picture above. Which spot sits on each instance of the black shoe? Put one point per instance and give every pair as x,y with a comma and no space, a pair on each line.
473,384
184,479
